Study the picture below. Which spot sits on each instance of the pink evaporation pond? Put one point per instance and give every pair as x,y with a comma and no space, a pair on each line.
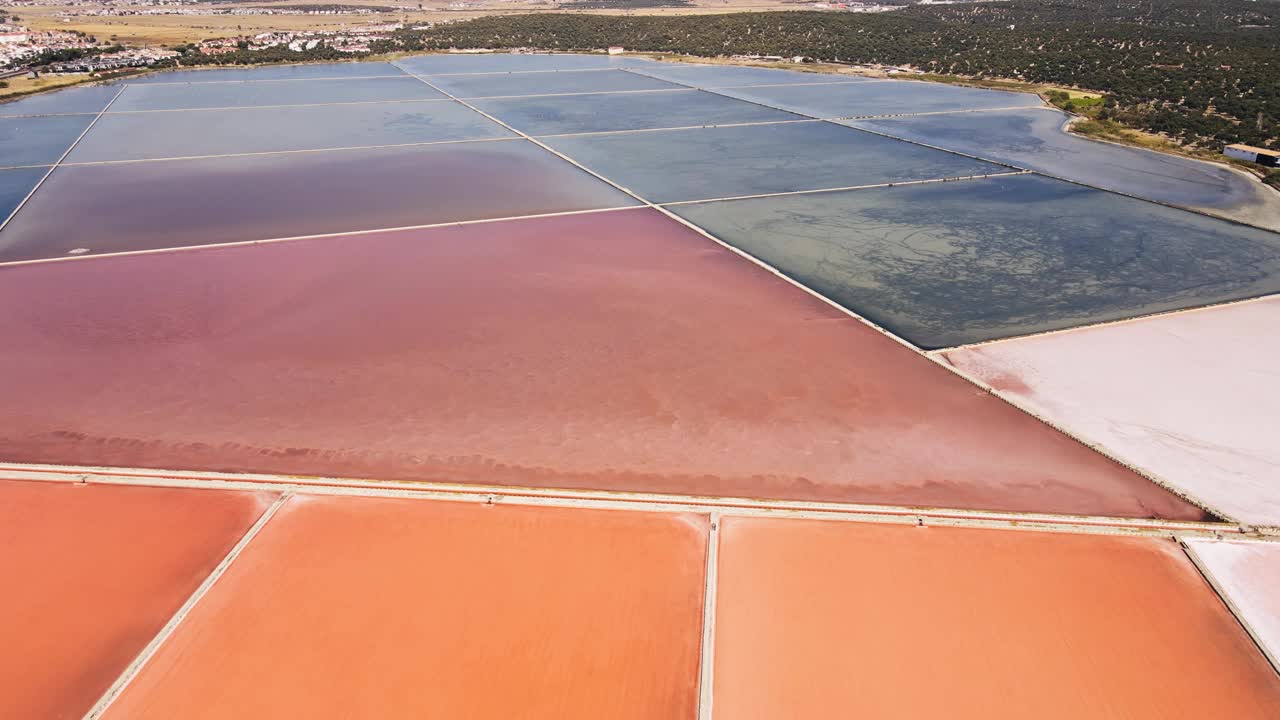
608,351
1189,397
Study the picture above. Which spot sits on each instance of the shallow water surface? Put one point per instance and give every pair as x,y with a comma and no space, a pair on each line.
310,71
951,263
722,76
625,111
700,164
134,136
286,92
1034,139
89,99
881,97
512,62
175,203
38,140
14,186
616,351
546,83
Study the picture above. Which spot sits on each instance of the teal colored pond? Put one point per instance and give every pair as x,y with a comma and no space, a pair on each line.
947,264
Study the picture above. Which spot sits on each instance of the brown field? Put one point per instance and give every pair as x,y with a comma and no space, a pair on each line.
178,29
24,86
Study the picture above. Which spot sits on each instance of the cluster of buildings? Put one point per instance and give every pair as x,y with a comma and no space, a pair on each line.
127,58
177,9
103,3
17,43
856,7
353,40
491,4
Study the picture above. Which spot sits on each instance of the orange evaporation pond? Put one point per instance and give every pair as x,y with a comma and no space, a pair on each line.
349,607
91,574
832,619
609,351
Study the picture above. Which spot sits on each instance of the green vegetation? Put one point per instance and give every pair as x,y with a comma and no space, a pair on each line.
1198,72
191,56
1089,106
1273,179
1112,131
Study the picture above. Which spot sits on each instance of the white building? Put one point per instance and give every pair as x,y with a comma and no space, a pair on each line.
1262,156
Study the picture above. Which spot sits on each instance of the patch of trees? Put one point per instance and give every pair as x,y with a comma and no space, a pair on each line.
1201,72
1194,15
49,57
191,56
1088,106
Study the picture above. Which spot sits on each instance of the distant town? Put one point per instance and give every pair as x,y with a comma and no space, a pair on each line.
25,50
83,53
